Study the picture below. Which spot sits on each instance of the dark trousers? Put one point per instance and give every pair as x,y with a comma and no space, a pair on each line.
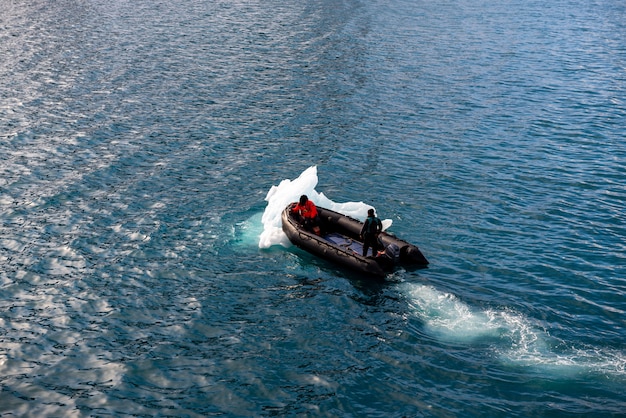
370,240
311,224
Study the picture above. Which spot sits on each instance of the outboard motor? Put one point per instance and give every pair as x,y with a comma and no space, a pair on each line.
389,258
393,253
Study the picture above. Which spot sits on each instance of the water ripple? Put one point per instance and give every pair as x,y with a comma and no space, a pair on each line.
138,141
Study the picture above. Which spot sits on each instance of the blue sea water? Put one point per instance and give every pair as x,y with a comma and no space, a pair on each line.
143,143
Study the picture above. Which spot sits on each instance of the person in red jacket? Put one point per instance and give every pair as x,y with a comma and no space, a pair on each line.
307,213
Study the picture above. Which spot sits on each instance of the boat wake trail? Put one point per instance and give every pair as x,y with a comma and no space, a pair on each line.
516,340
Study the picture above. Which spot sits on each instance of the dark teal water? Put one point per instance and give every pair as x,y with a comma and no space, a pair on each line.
139,141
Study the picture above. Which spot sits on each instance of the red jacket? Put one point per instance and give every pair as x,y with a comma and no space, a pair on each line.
308,211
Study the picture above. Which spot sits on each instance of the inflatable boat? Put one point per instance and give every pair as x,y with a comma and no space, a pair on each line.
339,242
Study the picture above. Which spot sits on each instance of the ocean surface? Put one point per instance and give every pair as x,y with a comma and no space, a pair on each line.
143,145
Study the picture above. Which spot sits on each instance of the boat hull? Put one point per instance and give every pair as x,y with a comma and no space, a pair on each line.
341,244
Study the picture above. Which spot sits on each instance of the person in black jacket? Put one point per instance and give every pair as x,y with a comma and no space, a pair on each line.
370,231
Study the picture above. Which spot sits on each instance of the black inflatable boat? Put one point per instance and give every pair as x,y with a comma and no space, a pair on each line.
340,243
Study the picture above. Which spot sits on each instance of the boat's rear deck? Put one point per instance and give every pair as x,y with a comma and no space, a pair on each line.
346,242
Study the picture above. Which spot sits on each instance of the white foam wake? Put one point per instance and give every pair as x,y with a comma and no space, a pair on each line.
515,339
